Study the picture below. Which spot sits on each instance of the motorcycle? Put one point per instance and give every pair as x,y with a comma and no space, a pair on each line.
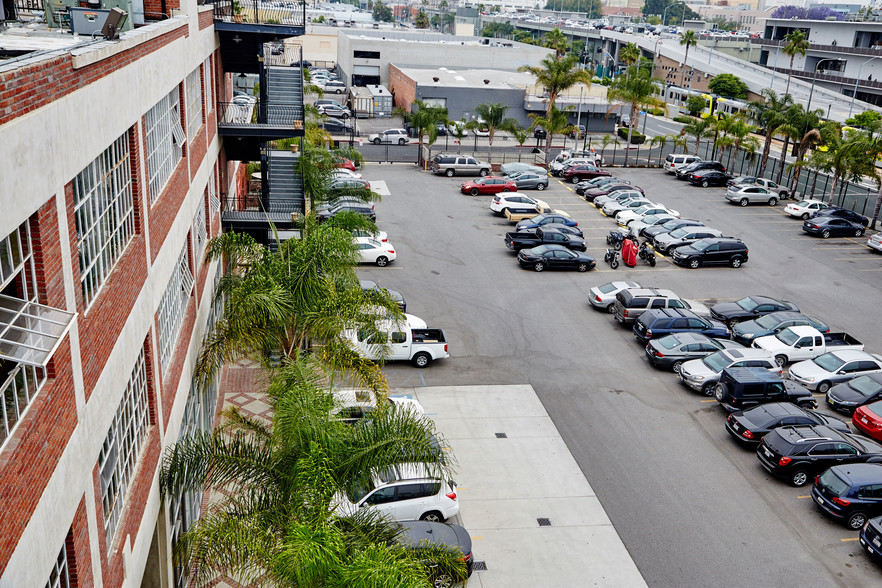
646,253
615,238
611,257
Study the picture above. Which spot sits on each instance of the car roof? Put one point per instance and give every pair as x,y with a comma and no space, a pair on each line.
809,433
414,533
778,409
747,353
687,337
751,374
851,354
860,473
657,313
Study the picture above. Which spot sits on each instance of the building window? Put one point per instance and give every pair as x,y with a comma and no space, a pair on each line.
366,54
212,191
105,215
194,103
209,82
29,332
122,445
172,308
59,577
165,141
200,235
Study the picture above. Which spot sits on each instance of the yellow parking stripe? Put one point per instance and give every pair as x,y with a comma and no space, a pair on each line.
850,539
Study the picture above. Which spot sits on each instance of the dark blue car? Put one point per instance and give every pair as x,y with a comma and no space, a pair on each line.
832,226
545,219
839,212
871,538
850,493
664,321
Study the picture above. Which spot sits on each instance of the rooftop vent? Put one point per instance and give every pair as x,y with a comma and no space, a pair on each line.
486,81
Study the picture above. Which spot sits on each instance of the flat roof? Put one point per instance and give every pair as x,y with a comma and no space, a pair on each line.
472,78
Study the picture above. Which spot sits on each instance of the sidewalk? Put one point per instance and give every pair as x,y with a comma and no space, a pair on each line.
507,484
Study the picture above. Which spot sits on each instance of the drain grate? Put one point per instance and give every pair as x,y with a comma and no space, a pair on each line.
501,436
544,522
479,566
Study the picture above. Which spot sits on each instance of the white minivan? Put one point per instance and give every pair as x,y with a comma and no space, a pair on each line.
675,161
404,492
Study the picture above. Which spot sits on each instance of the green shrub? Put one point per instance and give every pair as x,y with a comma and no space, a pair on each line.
636,138
683,119
657,111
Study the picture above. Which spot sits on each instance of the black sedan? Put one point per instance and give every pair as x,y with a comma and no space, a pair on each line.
773,323
741,180
668,226
832,226
670,351
751,425
589,192
415,534
748,308
710,177
554,257
335,127
371,288
839,212
560,228
848,396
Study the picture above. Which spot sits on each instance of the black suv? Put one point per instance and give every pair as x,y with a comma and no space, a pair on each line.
751,425
363,209
741,388
684,172
711,251
797,454
850,493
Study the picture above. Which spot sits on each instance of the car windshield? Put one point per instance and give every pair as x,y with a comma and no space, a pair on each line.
357,492
716,362
607,288
828,362
787,337
538,218
864,385
679,233
669,342
804,203
670,224
767,322
540,249
832,482
747,303
700,245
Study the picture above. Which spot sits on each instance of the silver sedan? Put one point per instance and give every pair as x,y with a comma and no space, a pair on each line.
745,195
530,181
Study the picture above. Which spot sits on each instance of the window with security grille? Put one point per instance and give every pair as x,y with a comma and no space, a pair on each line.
122,446
209,80
200,234
19,382
212,191
59,577
165,141
172,308
105,215
194,102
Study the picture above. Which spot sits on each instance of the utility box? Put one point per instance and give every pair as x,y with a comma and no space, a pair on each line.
362,102
382,101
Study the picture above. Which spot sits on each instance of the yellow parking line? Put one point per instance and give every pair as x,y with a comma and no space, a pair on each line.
805,496
477,537
707,400
872,270
850,539
840,247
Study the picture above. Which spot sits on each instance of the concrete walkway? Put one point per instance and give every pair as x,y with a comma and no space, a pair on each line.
513,469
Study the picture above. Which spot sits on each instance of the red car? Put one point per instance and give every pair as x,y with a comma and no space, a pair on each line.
488,185
578,173
346,163
868,418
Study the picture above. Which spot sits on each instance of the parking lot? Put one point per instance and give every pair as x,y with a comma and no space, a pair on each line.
692,507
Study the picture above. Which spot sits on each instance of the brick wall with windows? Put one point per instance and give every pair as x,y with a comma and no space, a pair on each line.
78,551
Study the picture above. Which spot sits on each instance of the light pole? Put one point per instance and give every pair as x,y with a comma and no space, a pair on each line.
808,106
857,81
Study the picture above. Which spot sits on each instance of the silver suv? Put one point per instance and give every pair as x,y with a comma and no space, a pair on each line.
631,303
703,374
462,165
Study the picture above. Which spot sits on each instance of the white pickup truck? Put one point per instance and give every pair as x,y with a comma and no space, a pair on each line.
805,342
408,340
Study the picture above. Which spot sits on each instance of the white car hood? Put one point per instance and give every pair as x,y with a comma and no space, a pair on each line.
808,369
770,343
696,367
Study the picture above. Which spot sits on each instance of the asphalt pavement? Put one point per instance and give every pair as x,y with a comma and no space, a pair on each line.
692,508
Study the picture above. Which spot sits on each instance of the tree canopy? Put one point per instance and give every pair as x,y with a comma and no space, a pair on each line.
675,14
728,85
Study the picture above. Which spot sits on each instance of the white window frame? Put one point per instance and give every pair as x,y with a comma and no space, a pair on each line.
200,235
59,576
194,102
209,90
172,308
165,141
23,381
122,447
104,213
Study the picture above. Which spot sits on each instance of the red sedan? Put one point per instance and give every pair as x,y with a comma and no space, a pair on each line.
346,164
488,185
868,418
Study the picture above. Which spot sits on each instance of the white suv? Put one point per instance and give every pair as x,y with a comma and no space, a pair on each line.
675,161
390,136
405,492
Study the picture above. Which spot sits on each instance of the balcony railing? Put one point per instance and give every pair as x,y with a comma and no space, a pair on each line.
247,114
256,12
875,50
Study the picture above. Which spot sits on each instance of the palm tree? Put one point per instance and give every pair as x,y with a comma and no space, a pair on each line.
739,136
458,130
605,142
688,38
426,120
679,140
492,117
639,90
769,114
700,128
556,124
629,54
520,136
797,44
557,75
847,157
802,127
273,519
661,141
556,40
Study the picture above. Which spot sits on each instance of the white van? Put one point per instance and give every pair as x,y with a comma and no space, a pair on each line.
675,161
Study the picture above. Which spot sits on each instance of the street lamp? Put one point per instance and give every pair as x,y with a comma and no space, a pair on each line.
856,81
775,66
665,13
808,106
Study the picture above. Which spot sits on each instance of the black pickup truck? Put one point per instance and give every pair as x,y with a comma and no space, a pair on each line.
540,236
